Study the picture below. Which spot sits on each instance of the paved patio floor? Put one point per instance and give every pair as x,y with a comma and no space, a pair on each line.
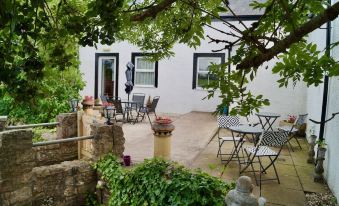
192,133
296,175
194,146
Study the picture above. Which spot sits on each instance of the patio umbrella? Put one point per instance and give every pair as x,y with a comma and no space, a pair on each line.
129,83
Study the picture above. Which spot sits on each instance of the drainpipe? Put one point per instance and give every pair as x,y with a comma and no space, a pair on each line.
326,81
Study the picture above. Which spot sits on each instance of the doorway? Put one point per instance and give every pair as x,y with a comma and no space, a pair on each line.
106,74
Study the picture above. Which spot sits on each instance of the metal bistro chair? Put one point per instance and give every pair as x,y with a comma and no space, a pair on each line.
118,109
147,110
302,118
225,122
139,98
267,139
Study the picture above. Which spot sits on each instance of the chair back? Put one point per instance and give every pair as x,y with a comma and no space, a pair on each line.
301,120
139,98
273,138
118,106
225,121
154,104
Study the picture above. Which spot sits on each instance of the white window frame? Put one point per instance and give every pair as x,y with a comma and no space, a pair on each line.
101,73
136,70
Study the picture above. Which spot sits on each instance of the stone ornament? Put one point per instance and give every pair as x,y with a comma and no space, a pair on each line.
242,194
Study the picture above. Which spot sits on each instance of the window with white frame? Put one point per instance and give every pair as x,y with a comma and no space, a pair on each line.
201,68
145,72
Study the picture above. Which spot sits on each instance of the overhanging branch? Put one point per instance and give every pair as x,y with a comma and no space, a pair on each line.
153,11
329,14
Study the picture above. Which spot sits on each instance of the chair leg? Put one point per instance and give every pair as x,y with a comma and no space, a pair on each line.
149,119
275,169
289,143
295,137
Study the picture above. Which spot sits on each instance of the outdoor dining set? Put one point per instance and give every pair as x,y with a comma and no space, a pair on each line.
131,110
265,142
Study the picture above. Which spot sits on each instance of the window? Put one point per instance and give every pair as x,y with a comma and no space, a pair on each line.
145,71
201,63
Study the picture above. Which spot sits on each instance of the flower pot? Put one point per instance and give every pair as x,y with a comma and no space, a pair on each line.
321,152
127,160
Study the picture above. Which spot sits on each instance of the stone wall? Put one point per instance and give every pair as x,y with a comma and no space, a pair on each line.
107,138
56,153
68,125
24,182
16,164
63,184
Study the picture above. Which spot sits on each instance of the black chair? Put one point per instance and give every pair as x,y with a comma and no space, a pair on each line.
138,99
292,130
263,149
225,122
118,109
147,110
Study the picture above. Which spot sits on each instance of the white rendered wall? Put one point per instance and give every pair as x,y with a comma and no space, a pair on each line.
175,80
332,127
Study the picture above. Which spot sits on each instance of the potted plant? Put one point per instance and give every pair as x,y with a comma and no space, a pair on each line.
319,169
321,148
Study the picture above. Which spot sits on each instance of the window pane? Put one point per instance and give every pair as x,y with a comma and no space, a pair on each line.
143,63
107,77
202,79
204,62
144,78
212,79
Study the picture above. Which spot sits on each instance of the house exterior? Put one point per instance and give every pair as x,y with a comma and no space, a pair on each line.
177,80
322,102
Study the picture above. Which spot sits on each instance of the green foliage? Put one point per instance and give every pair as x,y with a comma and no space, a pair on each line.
157,182
52,96
39,36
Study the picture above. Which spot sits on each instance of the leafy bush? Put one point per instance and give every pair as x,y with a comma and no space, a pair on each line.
52,97
158,182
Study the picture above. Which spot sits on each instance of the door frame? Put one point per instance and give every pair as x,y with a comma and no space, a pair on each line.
96,73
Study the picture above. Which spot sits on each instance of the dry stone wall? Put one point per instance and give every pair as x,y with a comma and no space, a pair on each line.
54,154
24,182
63,184
16,164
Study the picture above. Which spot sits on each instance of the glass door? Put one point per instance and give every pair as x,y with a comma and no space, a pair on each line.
107,73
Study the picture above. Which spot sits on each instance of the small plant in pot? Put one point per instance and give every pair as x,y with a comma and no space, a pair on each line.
321,148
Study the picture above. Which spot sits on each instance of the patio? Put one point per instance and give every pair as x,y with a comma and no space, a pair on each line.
194,145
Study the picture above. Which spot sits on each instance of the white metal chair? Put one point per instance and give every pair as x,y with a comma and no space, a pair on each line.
302,118
225,122
262,150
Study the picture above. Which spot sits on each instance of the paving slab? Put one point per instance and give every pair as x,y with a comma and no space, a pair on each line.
191,135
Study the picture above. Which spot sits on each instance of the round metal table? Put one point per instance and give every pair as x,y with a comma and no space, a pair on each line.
267,118
241,130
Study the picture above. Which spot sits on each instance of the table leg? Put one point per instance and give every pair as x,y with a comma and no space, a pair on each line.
270,124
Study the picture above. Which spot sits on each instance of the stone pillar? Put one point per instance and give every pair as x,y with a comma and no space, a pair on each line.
68,125
242,194
107,139
3,120
16,164
162,140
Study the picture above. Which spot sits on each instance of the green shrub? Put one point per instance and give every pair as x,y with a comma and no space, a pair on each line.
158,182
52,97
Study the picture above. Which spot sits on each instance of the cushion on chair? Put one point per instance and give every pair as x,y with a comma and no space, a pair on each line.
263,151
230,138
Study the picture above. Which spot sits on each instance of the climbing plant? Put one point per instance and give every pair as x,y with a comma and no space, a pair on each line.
158,182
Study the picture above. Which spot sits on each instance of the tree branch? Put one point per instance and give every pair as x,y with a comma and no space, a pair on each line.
153,11
329,14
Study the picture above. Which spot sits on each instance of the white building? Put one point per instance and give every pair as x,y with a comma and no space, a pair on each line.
176,81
